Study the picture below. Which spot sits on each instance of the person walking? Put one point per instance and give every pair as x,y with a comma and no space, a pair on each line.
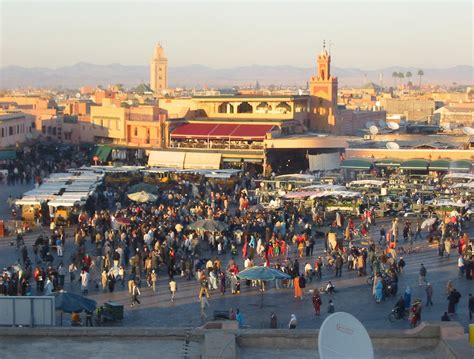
89,318
48,287
447,247
103,279
72,272
339,263
239,318
204,286
204,304
453,299
401,265
302,283
429,295
415,313
418,231
273,321
422,277
298,291
461,266
61,274
59,247
317,302
382,235
135,294
173,288
407,297
222,283
85,278
154,278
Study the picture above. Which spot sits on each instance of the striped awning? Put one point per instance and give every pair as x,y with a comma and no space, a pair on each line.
417,165
357,164
460,166
440,165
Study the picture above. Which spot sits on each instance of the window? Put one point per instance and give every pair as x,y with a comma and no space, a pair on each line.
43,129
135,132
3,132
10,130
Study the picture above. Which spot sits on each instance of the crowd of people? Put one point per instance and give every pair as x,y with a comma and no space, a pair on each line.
118,242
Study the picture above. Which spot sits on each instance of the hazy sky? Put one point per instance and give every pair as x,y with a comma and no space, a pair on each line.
367,35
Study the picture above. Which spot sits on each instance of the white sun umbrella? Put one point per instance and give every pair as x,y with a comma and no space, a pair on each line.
142,197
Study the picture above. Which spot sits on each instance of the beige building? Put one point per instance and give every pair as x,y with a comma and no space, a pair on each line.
456,115
141,126
413,109
159,70
110,118
15,128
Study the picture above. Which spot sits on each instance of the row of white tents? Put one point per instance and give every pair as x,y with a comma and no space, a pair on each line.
65,189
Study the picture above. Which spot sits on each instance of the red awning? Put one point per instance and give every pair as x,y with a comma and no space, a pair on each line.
193,130
251,132
222,131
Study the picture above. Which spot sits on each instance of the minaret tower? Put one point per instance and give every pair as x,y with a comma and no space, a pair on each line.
159,70
323,92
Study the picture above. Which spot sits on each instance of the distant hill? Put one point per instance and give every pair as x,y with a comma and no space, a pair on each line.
82,74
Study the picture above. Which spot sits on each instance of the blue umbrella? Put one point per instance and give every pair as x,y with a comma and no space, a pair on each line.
72,303
264,274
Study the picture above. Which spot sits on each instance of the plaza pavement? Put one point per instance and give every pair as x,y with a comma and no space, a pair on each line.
353,294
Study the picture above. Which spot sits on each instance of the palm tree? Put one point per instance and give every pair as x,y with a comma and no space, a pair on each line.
408,75
401,76
420,73
394,75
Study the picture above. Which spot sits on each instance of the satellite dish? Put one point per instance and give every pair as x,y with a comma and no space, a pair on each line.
343,336
368,124
393,125
78,95
382,124
130,102
392,146
373,130
468,131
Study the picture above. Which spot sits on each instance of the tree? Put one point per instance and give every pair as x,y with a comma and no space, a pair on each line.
401,76
394,75
408,75
420,73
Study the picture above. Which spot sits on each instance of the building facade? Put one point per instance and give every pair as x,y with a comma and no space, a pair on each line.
15,129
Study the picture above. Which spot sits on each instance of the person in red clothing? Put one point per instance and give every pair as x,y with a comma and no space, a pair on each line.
415,313
317,302
244,249
87,261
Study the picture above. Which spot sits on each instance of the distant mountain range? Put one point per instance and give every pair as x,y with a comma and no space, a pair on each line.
198,76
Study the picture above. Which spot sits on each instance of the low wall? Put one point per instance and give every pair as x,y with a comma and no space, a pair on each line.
444,340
